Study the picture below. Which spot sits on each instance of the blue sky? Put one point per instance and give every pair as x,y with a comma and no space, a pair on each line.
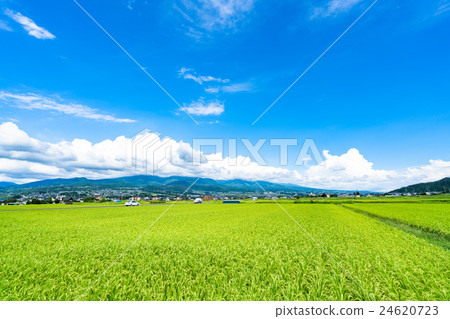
383,89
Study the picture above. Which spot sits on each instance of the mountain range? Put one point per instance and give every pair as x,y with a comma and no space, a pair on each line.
6,184
152,183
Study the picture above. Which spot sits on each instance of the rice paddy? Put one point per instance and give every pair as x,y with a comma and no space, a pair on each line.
432,217
248,251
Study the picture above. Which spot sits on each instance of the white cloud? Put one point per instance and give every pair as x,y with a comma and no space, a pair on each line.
212,90
333,8
347,171
32,28
352,171
4,26
201,107
24,159
32,101
189,74
237,87
232,88
212,15
194,33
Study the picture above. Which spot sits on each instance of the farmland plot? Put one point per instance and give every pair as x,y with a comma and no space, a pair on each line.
433,217
215,252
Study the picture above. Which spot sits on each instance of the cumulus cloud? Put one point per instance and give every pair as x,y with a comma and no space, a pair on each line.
24,159
190,74
212,15
31,101
352,171
333,8
348,171
29,25
202,107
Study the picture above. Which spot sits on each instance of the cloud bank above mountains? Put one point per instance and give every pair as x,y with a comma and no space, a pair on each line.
25,159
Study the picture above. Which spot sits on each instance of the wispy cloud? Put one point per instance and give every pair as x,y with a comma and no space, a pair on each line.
4,26
333,8
190,74
130,4
31,101
212,90
213,15
32,28
443,8
232,88
202,107
183,14
194,33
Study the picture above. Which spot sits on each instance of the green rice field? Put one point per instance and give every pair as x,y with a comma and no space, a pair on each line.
216,251
429,217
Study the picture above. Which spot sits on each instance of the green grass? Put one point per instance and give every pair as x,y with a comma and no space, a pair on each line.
215,252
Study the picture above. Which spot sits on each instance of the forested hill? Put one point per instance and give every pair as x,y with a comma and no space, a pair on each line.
442,185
